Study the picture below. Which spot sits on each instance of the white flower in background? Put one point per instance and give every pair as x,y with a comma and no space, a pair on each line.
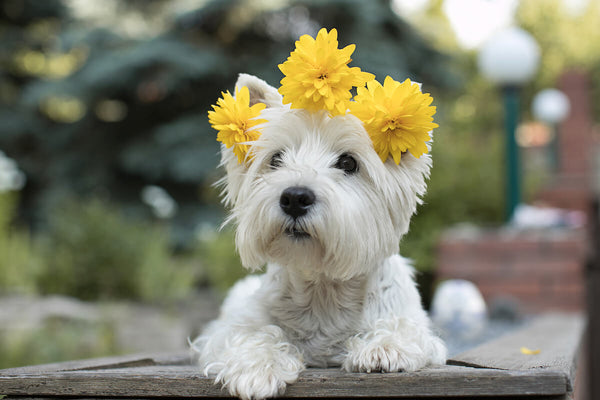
162,204
11,178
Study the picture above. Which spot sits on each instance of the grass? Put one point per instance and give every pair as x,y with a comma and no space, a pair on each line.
56,340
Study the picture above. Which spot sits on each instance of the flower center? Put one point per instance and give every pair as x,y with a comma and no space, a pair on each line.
392,124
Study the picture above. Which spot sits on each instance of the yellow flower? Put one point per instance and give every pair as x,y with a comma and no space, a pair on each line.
397,116
529,352
235,120
317,76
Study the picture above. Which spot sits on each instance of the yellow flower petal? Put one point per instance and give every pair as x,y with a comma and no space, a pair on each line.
397,116
529,352
235,120
317,76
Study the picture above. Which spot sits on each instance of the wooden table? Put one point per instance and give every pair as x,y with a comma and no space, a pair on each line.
498,369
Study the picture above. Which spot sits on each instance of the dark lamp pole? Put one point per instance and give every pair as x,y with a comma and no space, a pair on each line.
510,59
513,165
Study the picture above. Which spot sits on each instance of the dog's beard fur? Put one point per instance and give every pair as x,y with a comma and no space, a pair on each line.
357,219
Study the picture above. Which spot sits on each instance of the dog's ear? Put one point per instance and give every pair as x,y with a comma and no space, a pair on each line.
260,91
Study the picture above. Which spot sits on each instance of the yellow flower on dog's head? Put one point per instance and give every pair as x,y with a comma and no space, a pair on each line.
317,76
235,121
397,116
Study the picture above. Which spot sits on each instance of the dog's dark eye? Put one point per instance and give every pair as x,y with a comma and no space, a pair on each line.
347,163
275,160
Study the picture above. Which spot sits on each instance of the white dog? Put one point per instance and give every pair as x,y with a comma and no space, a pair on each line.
320,208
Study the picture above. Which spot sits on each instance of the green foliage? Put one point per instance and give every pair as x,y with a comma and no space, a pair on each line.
221,262
466,182
92,252
125,112
559,34
57,340
455,193
567,41
159,90
20,265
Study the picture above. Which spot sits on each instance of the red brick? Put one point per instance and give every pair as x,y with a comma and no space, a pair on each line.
543,271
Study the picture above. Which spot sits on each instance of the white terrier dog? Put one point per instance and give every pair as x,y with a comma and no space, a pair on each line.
320,208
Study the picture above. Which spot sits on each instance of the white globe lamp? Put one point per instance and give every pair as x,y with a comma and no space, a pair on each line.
551,106
510,57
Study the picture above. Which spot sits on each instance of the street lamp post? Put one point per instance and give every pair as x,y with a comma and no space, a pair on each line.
510,59
551,106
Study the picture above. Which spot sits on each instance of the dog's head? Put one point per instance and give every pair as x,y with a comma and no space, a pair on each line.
314,194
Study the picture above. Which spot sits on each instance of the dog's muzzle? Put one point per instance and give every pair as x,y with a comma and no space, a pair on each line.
295,201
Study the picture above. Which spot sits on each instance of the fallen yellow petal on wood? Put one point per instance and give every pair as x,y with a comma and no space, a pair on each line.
529,352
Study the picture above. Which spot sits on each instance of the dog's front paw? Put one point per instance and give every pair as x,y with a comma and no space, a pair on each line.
391,350
258,378
384,357
259,383
250,364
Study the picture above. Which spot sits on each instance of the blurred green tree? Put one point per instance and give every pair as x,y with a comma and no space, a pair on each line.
85,110
569,38
92,253
20,265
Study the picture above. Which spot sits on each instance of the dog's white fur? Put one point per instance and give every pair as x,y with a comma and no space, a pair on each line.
343,296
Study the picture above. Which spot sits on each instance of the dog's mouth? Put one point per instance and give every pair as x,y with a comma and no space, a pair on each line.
296,233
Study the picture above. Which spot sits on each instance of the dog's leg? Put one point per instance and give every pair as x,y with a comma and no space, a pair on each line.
248,356
396,334
250,363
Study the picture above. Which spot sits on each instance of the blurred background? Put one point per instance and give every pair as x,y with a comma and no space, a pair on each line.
109,239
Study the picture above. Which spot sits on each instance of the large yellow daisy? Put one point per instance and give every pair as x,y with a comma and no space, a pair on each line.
317,76
397,116
235,121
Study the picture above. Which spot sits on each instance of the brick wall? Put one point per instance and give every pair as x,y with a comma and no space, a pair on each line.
575,137
543,270
571,185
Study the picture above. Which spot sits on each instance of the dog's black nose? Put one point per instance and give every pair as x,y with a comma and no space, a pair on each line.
296,200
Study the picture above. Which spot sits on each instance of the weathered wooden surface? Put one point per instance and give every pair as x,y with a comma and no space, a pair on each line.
593,303
186,381
557,337
136,360
174,375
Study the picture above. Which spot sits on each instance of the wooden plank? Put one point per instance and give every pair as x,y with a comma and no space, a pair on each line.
440,382
372,396
556,336
132,360
186,381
